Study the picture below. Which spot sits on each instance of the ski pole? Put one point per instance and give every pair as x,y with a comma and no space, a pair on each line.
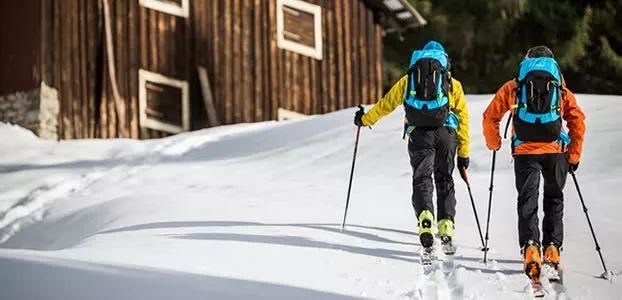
464,176
492,176
356,146
589,222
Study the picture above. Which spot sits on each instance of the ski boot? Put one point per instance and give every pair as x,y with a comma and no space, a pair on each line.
446,234
426,238
551,262
532,265
426,219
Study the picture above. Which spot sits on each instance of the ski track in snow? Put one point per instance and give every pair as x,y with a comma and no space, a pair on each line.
441,283
32,208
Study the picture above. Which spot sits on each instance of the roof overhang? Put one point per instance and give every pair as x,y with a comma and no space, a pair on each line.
397,15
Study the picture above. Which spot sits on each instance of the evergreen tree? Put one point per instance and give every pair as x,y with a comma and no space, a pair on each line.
486,40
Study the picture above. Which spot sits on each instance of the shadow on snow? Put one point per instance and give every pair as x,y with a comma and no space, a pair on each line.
60,279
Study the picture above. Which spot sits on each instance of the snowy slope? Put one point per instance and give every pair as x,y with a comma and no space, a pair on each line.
255,210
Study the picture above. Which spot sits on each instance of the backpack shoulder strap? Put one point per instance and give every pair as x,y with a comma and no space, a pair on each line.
513,108
408,84
450,82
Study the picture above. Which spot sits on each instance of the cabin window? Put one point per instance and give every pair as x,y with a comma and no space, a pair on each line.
179,8
299,27
164,102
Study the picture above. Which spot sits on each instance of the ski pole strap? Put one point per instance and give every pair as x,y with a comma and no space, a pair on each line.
464,176
507,125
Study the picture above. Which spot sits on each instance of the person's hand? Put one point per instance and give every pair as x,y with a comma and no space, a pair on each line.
494,146
463,162
358,117
573,167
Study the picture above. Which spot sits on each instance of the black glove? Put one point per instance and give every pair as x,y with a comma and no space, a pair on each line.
358,117
463,162
573,167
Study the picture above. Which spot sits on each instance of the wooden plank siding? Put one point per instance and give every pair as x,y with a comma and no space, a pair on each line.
235,40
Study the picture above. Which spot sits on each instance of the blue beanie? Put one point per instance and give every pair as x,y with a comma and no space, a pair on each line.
434,45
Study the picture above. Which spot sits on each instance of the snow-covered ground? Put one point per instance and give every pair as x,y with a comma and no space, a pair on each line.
254,211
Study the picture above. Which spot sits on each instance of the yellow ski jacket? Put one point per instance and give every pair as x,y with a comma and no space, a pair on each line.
457,106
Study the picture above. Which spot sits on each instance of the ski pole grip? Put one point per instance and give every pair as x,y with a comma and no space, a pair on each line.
362,109
463,174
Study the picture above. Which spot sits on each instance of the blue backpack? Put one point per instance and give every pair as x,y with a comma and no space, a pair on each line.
426,100
537,113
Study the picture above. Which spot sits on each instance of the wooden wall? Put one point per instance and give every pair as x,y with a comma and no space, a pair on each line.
75,62
20,46
252,77
234,39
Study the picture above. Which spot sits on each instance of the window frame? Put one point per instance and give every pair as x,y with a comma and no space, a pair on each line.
145,76
168,7
316,10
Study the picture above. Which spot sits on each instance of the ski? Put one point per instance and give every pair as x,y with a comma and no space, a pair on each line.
537,288
555,277
533,269
428,260
552,273
449,264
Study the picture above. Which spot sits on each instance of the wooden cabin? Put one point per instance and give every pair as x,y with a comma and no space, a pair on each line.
149,68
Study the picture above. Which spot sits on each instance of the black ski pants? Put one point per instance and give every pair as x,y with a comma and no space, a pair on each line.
554,170
432,151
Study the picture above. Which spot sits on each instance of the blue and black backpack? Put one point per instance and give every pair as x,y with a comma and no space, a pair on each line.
427,94
539,92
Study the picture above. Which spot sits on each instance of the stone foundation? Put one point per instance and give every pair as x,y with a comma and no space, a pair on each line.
36,110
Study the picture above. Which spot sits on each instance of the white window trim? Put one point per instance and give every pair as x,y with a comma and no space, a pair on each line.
145,121
313,9
169,8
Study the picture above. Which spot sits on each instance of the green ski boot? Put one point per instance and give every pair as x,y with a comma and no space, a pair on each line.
446,234
426,236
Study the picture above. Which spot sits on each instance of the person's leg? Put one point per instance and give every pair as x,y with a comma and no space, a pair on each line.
527,172
554,172
443,169
421,151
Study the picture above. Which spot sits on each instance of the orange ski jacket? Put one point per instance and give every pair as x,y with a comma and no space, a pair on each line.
504,101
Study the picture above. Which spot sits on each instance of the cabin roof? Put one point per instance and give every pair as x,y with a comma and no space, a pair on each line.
397,15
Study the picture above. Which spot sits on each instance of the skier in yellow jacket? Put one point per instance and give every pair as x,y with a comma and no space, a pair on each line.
437,125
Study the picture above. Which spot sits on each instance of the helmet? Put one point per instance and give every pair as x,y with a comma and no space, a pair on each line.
539,51
433,45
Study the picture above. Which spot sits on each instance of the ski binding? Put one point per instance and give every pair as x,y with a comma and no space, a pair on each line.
447,246
428,260
538,289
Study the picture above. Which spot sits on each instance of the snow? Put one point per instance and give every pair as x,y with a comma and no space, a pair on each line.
254,210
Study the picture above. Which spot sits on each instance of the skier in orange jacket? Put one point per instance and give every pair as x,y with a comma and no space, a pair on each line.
539,100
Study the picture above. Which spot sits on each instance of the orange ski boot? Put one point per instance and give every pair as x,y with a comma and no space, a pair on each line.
551,262
531,255
533,262
551,256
